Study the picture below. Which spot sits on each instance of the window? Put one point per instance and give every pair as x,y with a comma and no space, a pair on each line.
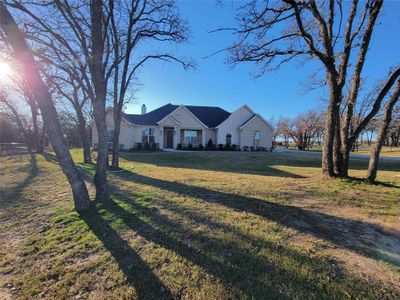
257,137
110,135
148,136
190,137
228,139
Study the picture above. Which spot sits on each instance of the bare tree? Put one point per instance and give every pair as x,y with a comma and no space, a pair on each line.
132,24
304,129
78,33
9,110
393,136
273,33
30,74
385,122
71,89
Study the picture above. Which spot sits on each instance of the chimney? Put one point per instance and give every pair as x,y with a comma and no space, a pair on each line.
143,109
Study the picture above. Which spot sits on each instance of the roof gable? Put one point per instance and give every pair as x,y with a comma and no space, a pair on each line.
253,118
151,118
236,112
208,115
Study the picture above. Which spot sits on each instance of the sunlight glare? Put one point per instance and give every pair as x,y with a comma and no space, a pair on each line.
5,70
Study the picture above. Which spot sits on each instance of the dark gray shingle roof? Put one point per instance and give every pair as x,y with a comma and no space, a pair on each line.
209,115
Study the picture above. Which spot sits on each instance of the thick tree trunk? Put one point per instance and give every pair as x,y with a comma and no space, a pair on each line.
99,103
100,178
37,140
337,154
330,121
117,129
24,56
386,119
84,137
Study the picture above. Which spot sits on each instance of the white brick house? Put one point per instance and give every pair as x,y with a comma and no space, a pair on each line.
170,125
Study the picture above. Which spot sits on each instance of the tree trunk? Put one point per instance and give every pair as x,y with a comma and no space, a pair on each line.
117,129
99,102
24,56
386,119
100,178
330,121
337,154
84,137
36,134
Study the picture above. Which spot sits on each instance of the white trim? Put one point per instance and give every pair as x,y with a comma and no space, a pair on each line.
252,118
187,109
248,107
129,123
171,117
243,106
183,106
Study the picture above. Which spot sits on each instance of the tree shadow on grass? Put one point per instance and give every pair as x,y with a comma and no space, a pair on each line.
9,196
247,163
251,268
50,158
359,236
137,273
377,183
234,266
259,163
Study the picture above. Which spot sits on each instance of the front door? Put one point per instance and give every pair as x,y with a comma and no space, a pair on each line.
169,137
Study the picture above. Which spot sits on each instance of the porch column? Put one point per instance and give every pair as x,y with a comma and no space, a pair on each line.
177,135
203,137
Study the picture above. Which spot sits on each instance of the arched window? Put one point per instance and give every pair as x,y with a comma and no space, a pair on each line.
228,139
257,138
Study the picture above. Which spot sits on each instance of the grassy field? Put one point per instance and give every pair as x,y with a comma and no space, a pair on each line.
365,150
386,151
201,226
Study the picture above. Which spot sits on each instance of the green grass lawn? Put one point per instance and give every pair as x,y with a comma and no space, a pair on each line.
204,225
386,151
364,150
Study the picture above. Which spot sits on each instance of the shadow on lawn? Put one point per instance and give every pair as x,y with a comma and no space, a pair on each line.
9,196
354,235
231,263
260,163
234,162
138,274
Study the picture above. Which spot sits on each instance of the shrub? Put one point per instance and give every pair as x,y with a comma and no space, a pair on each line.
234,147
210,145
227,147
201,147
179,147
146,146
195,148
252,148
154,146
220,147
246,148
139,146
190,147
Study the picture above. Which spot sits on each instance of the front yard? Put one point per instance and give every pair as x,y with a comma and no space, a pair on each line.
221,225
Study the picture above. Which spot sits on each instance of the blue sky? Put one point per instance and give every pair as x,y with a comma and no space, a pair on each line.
218,84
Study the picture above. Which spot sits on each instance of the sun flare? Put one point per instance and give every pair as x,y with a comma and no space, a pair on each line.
5,70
